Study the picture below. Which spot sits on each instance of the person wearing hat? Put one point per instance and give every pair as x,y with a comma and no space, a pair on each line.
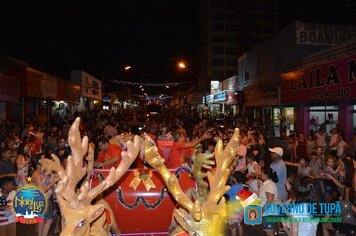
280,168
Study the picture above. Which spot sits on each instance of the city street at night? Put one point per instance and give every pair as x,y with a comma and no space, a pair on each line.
192,117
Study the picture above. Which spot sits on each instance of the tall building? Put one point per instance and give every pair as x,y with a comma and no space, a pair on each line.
227,28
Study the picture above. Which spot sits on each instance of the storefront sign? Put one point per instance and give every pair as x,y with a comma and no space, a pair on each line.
91,87
9,89
266,97
231,98
326,35
330,81
44,86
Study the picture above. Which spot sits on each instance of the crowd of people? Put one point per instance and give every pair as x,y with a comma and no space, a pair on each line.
319,168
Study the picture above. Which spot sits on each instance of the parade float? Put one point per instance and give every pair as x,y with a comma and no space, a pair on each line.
146,201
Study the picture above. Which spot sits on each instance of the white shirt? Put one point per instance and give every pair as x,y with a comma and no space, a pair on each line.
267,187
305,228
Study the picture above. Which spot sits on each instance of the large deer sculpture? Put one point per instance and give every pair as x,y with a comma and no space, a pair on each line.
82,214
206,215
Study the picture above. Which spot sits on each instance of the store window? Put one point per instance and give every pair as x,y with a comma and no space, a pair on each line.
283,121
323,117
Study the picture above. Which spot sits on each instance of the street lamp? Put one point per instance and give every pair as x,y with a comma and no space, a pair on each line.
182,65
126,68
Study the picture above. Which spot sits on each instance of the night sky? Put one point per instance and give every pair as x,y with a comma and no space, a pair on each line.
100,38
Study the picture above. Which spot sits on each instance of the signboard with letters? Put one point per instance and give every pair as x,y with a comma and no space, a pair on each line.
324,35
330,81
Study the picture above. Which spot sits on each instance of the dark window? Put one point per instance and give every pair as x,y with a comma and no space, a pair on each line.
218,16
231,4
278,63
230,73
217,4
231,50
268,7
218,39
268,29
231,39
218,50
219,74
230,28
247,74
230,16
256,40
268,18
218,27
256,28
218,61
231,62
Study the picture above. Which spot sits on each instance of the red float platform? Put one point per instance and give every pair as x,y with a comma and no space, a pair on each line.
142,212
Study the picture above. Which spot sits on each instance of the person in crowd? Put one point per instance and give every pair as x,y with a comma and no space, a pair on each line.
348,168
333,142
306,194
176,156
320,138
44,181
268,194
62,150
300,146
292,146
341,147
7,217
303,166
254,170
262,144
310,145
211,148
34,144
280,168
7,165
330,169
241,154
40,134
110,130
353,144
347,226
109,156
23,162
235,216
320,151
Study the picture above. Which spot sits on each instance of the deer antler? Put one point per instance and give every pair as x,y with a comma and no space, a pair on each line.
224,159
206,217
156,161
115,174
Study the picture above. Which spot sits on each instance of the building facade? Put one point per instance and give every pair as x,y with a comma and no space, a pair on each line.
227,28
259,70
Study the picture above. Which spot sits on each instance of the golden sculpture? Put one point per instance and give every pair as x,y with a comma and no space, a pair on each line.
82,215
207,214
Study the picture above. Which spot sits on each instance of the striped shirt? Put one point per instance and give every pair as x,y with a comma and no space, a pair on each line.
5,218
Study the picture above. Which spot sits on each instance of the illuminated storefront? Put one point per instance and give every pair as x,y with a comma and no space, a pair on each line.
323,95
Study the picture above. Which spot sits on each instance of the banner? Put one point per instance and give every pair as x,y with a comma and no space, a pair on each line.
148,84
325,35
331,81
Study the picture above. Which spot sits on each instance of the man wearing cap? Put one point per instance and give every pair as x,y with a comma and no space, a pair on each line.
279,166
